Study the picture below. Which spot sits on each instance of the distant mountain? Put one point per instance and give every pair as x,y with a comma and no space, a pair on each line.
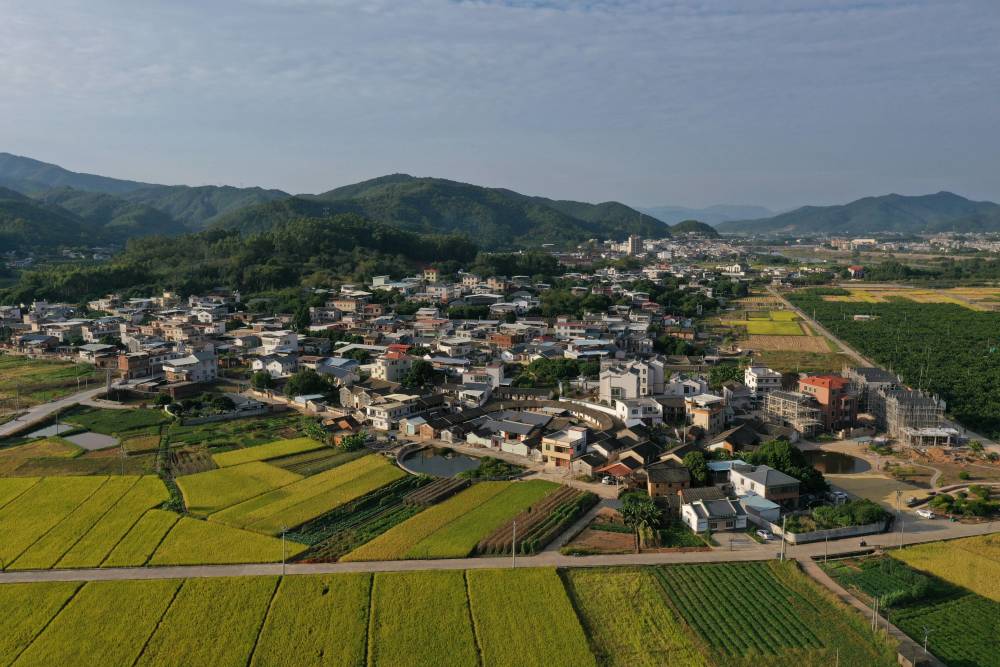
195,207
492,217
112,214
27,223
694,227
943,211
713,215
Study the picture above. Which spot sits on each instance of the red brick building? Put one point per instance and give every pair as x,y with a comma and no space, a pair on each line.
838,403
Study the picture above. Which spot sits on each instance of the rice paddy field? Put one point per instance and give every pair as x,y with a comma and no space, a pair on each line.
12,458
263,452
35,381
299,502
214,490
502,618
453,528
972,563
973,298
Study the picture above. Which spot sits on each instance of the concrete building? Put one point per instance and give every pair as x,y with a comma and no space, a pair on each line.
793,409
838,403
632,379
392,367
761,380
706,411
560,448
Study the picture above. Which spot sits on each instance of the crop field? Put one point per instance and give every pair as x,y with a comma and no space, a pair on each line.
421,618
36,381
744,611
316,461
300,502
12,457
235,607
106,623
47,551
11,488
194,542
245,432
141,443
627,619
208,492
263,452
540,523
459,538
524,617
797,343
973,298
768,328
38,510
317,621
972,563
407,539
359,521
503,618
963,625
111,422
137,547
26,609
97,543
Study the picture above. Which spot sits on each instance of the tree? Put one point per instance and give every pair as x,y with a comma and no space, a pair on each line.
162,399
301,320
695,463
261,380
782,456
421,373
305,381
639,510
353,442
722,373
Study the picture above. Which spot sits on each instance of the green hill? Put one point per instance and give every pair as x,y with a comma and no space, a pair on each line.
198,207
943,211
25,223
494,217
695,228
113,215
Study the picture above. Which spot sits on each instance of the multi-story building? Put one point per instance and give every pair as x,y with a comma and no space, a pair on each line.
793,409
706,411
838,403
560,448
392,367
632,379
196,367
761,380
766,482
868,382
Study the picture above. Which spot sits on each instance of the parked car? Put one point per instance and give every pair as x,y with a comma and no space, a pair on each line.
912,502
764,534
925,513
607,480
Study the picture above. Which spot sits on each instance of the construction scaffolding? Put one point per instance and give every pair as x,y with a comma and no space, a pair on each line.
793,409
908,411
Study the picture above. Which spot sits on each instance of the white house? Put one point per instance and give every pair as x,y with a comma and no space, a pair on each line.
761,380
714,515
632,379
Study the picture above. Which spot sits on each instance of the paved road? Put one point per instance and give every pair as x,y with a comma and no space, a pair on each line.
43,411
930,531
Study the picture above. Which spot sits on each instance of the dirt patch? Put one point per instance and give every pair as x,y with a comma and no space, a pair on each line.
794,343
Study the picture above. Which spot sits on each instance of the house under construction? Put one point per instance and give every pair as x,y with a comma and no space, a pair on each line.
915,419
793,409
867,381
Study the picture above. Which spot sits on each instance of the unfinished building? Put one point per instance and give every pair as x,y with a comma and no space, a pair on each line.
915,419
867,382
793,409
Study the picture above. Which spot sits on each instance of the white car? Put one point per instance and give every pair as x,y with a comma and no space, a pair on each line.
764,535
925,513
607,480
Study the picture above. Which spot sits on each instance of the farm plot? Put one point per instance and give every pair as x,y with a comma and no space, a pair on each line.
138,545
12,457
47,551
359,521
539,524
459,537
236,606
796,343
194,542
212,491
39,380
315,461
245,432
112,422
972,563
37,510
10,489
97,543
744,611
421,618
436,491
106,623
300,502
320,620
27,608
400,541
524,617
269,451
627,620
770,328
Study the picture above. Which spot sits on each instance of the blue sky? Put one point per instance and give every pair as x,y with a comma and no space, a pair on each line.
692,102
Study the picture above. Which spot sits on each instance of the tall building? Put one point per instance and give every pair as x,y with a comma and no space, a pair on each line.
634,245
838,402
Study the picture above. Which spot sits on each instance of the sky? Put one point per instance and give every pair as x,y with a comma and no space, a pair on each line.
650,102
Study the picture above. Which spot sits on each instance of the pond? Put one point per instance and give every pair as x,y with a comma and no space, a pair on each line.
835,463
428,462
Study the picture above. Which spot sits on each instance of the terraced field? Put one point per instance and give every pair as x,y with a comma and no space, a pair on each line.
500,618
214,490
269,451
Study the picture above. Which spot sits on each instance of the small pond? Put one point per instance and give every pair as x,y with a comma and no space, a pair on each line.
428,462
92,441
835,463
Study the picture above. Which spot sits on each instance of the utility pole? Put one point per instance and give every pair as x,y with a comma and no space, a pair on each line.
926,632
513,547
899,517
784,520
283,531
826,554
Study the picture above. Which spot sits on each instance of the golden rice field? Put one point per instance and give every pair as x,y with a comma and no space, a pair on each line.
214,490
974,298
972,563
816,344
642,616
270,450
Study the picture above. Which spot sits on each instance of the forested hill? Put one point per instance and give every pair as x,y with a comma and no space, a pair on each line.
293,253
495,218
940,212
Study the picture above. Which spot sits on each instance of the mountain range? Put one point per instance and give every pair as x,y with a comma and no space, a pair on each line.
105,208
713,215
940,212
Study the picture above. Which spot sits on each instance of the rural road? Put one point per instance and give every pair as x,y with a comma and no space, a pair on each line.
43,411
916,531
